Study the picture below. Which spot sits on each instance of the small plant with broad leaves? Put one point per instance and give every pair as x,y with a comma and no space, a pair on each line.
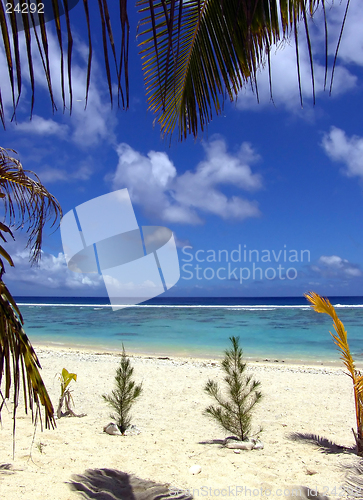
234,412
66,396
124,395
322,305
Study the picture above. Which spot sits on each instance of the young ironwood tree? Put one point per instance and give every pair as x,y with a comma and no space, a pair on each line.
234,412
122,398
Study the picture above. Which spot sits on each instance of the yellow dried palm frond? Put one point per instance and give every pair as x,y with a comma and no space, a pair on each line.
322,305
359,388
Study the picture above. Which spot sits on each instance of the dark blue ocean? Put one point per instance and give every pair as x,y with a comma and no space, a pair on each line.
283,328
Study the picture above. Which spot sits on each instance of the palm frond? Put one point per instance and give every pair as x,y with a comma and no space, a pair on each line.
322,305
27,202
197,53
12,24
19,363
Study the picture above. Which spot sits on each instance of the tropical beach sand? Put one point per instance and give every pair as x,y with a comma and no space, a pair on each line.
299,400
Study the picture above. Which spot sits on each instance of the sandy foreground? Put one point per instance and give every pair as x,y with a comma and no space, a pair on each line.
174,435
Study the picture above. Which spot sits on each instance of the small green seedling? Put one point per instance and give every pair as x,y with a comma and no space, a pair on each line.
66,396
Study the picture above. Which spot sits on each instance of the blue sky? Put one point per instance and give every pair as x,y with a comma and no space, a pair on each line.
268,177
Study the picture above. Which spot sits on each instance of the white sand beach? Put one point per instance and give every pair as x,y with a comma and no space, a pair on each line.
301,400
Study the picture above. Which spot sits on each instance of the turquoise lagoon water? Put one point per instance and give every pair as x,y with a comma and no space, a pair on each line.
276,328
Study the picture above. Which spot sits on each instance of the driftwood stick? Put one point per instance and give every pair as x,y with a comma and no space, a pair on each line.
66,399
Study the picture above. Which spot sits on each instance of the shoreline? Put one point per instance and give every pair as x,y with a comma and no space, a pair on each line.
307,413
213,360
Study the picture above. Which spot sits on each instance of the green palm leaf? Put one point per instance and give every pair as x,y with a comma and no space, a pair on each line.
66,379
28,203
197,53
11,28
26,200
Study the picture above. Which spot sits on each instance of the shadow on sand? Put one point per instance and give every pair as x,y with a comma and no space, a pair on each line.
324,444
110,484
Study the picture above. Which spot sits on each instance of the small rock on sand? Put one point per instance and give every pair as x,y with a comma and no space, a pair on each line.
195,469
112,429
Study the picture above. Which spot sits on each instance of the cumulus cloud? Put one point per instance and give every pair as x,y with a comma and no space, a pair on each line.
284,68
84,127
285,89
40,126
351,47
347,150
329,266
153,183
51,276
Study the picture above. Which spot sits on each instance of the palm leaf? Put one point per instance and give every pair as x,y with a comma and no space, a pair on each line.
29,203
27,35
8,52
17,351
14,29
29,22
66,379
26,200
322,305
197,53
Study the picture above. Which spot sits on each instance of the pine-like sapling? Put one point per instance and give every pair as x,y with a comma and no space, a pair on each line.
233,412
122,398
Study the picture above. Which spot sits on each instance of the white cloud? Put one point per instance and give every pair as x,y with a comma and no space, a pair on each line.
50,175
40,126
348,150
153,183
284,77
130,286
284,68
351,47
335,266
83,127
50,276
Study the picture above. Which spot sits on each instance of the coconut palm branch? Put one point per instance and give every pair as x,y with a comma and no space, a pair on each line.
26,201
197,53
322,305
36,28
27,204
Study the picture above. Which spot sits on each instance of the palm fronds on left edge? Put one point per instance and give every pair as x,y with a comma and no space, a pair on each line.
19,362
28,203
